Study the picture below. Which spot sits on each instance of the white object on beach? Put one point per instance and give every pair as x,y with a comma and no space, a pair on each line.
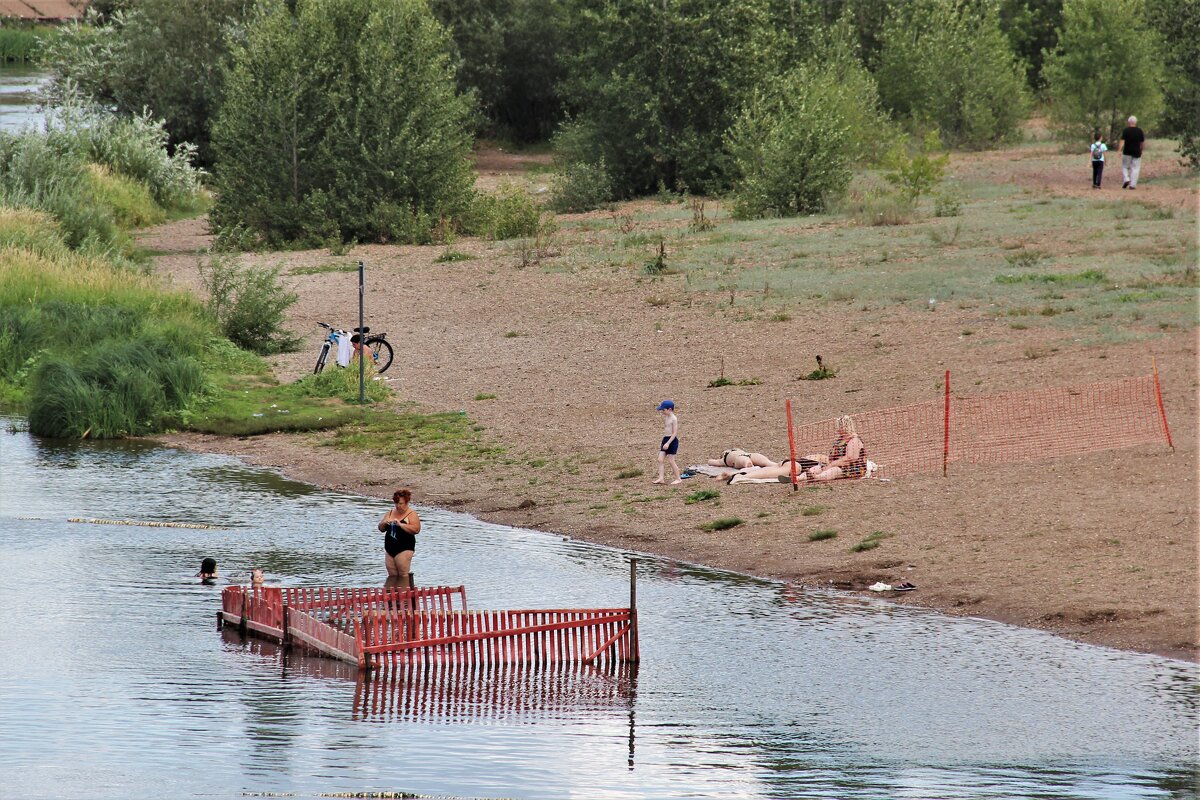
880,587
343,353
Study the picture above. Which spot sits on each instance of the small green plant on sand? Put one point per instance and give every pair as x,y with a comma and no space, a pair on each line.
722,524
820,536
921,173
812,511
485,396
449,256
629,473
870,542
658,264
822,372
702,495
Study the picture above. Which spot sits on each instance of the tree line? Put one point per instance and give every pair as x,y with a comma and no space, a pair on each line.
354,119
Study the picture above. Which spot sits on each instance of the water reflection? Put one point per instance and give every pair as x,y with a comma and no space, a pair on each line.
452,692
747,688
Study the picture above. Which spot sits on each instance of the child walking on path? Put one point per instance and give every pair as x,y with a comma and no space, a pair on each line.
670,441
1099,148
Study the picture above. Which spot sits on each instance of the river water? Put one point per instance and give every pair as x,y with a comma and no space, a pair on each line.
115,682
19,86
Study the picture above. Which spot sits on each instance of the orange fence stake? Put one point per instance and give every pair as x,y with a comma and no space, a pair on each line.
946,428
792,448
1161,408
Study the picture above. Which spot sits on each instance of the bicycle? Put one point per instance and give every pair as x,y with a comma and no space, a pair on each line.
381,351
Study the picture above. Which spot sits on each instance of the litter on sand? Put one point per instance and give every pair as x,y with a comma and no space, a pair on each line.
887,587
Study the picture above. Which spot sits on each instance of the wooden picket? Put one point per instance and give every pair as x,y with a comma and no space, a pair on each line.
387,628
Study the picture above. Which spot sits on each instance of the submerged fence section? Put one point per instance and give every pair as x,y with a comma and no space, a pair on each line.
385,628
1003,428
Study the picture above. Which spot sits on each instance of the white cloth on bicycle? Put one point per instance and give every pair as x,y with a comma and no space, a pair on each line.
343,354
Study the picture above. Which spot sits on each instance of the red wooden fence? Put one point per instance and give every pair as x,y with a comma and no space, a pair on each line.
384,628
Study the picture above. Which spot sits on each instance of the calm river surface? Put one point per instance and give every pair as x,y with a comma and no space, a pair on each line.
19,86
115,683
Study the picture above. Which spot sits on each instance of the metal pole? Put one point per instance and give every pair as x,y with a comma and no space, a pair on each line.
362,338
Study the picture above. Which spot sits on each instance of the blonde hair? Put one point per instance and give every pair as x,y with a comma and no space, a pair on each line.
845,423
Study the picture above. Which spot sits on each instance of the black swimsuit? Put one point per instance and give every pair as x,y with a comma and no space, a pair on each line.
396,541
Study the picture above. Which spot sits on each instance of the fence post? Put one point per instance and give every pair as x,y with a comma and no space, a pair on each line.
946,428
634,651
792,448
1162,411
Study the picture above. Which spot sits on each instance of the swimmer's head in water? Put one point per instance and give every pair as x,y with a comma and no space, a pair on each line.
256,576
208,568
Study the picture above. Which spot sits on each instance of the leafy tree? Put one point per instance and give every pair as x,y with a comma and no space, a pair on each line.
946,63
1178,25
507,53
341,121
161,55
789,146
1106,67
656,83
1032,28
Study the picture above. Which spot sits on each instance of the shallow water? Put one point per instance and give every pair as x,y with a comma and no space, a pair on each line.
115,683
19,86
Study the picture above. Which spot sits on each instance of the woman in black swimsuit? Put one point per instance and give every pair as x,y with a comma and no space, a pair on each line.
400,526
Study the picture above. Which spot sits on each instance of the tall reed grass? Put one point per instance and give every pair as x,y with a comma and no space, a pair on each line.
21,45
86,346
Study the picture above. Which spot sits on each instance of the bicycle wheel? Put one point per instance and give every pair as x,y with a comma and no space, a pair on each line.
321,359
381,351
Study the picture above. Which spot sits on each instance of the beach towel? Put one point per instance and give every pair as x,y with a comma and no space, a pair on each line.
343,353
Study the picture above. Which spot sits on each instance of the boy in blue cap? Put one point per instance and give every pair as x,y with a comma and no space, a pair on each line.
670,441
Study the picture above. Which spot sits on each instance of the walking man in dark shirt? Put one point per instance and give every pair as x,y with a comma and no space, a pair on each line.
1130,148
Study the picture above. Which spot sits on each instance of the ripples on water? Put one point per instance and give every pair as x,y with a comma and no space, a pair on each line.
115,683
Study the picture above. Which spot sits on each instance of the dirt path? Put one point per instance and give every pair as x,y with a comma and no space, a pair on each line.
1102,548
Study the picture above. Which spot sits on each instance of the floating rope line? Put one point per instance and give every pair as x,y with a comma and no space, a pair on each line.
144,524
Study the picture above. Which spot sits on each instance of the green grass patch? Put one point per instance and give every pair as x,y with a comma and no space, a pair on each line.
451,256
870,542
722,524
702,495
1088,277
485,396
812,511
822,535
408,436
318,269
625,474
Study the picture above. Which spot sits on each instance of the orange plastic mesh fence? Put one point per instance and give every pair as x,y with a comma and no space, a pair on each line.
1002,428
1062,421
902,441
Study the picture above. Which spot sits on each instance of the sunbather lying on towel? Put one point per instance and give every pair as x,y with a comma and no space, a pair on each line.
847,459
740,459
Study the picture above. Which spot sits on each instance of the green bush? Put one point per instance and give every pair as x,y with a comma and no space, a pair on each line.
946,63
249,304
580,186
161,55
341,120
44,174
789,148
1107,66
507,214
920,173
